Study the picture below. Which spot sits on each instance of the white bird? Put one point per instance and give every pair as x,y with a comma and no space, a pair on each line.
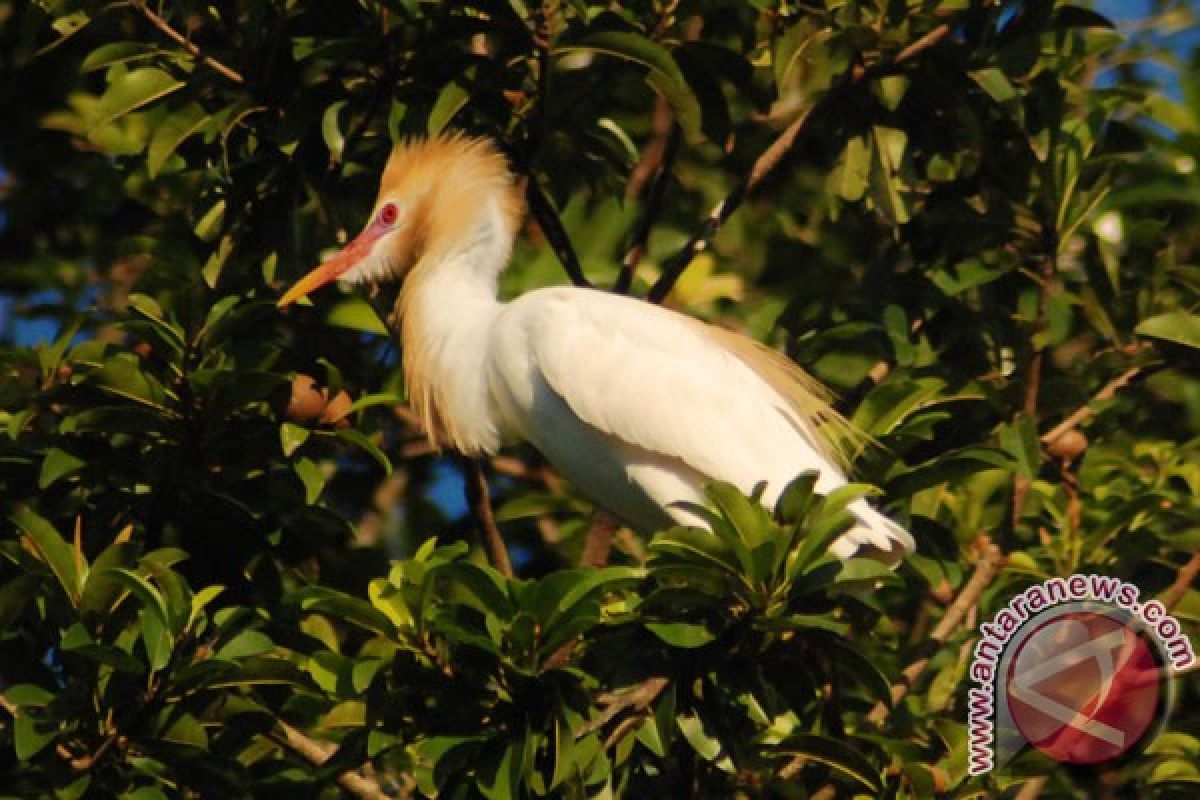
637,405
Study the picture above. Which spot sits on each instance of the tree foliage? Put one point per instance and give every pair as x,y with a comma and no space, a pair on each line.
229,566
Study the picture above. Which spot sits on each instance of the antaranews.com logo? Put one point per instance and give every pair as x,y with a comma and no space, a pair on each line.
1076,667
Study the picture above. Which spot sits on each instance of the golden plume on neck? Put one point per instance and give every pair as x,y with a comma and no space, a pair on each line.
461,202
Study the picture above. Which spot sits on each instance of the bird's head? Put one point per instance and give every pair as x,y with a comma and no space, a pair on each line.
436,196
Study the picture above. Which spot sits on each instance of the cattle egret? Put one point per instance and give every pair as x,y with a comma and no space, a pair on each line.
637,405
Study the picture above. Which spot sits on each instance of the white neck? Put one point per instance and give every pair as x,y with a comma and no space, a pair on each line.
447,306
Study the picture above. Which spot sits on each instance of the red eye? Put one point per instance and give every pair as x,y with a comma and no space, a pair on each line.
388,214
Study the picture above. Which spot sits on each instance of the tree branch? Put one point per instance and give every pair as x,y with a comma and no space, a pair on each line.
638,698
317,754
966,601
1083,412
597,544
1033,373
548,220
774,154
985,571
1184,580
480,502
654,168
187,45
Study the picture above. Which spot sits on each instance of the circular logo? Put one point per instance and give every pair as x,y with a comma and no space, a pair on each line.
1083,687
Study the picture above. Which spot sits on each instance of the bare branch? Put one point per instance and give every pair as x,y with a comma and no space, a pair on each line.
985,571
636,698
317,754
481,507
1033,373
1184,580
187,45
654,167
1032,788
774,154
1083,412
598,543
552,227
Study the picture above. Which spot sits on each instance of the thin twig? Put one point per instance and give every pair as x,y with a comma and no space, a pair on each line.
1083,412
317,754
655,168
387,494
966,601
637,698
552,227
985,571
186,44
1032,788
1033,373
480,501
1184,580
597,544
775,154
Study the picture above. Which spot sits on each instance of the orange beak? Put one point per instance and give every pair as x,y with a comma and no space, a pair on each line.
333,268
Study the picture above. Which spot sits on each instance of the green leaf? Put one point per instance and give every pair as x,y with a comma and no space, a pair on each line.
169,334
682,634
665,75
1078,17
450,101
209,224
122,376
211,271
706,744
343,606
360,440
132,90
356,314
53,550
995,83
1179,327
70,24
692,545
291,437
30,735
171,133
246,643
850,178
331,130
145,793
1020,440
28,694
57,464
889,403
15,595
891,90
182,728
836,754
747,516
145,592
313,478
888,189
116,53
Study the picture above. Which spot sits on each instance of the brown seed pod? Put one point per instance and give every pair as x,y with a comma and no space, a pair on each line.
336,410
1069,446
307,402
